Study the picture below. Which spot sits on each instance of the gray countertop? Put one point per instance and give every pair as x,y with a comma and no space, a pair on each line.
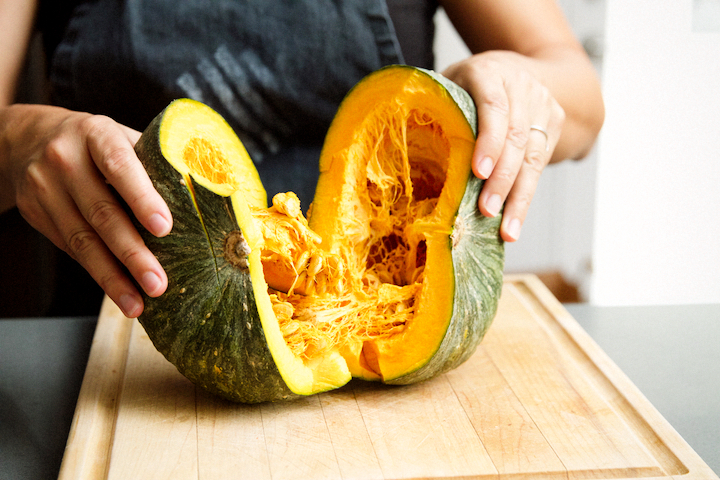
671,353
42,362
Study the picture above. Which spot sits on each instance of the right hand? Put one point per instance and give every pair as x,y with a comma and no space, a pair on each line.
56,166
508,153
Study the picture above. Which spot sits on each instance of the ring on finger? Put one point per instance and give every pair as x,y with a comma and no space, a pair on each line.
544,132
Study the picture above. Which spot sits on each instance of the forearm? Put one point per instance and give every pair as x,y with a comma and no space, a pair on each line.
16,27
10,116
536,38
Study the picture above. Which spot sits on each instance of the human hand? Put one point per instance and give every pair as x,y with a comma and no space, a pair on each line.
59,164
519,125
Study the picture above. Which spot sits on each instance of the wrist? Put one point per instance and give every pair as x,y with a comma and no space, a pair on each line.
16,122
7,190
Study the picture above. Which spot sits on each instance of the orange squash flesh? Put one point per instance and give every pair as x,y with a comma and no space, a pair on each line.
408,127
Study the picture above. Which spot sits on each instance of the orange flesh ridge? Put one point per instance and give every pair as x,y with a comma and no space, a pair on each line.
374,279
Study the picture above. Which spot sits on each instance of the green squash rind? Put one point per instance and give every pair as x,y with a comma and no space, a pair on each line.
462,99
478,260
478,255
206,323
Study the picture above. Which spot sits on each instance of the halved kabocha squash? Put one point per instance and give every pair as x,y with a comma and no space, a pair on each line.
395,276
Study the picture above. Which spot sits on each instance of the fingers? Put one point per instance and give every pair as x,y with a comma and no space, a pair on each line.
108,230
103,227
519,124
535,159
493,107
116,160
509,136
82,242
514,180
66,196
54,212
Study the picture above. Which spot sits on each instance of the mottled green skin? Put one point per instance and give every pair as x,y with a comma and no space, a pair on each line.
478,260
462,99
206,323
478,255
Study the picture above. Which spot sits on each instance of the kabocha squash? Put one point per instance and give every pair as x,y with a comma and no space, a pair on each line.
394,276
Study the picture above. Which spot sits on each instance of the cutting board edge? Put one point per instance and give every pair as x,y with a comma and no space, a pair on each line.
88,448
691,465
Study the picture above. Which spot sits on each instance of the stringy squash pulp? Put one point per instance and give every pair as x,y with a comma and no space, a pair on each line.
365,287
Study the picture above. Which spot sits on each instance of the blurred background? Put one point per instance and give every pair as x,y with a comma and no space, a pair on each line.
635,222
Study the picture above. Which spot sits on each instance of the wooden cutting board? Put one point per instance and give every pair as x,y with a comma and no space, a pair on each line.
539,399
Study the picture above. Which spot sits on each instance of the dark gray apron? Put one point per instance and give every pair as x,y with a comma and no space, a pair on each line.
275,69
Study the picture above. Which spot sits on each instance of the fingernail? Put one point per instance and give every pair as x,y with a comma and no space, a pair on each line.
485,167
130,305
158,225
493,204
151,283
513,229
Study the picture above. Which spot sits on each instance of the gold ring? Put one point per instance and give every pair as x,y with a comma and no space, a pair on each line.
544,132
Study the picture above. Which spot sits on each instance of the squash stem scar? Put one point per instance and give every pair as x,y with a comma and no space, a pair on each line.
236,250
458,230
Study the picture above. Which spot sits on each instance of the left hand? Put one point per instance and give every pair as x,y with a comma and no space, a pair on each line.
57,168
511,151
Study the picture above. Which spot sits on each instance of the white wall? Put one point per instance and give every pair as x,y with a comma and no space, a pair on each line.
657,224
